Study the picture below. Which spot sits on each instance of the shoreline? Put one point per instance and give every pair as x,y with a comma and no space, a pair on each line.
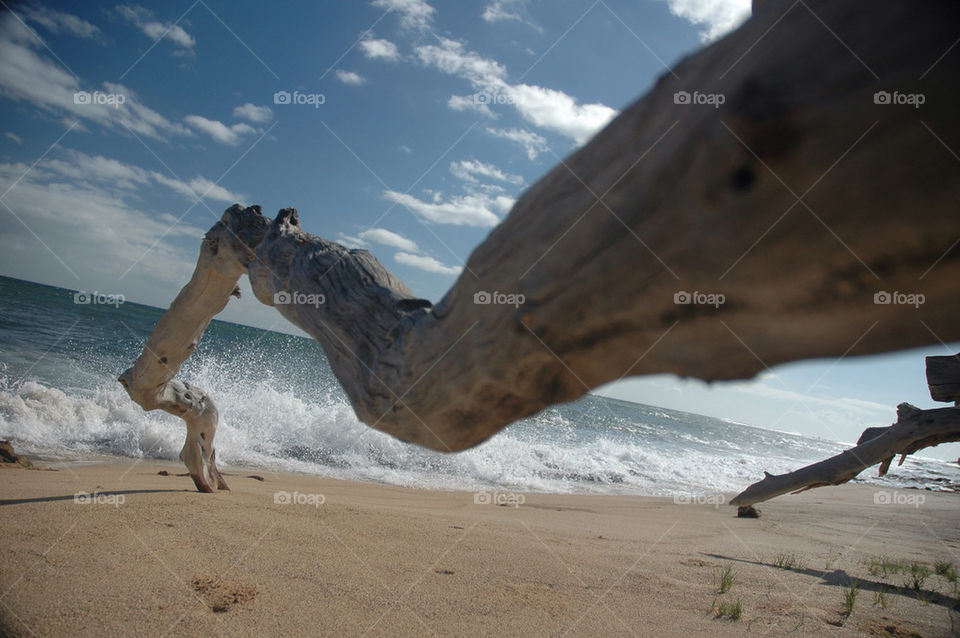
340,557
866,479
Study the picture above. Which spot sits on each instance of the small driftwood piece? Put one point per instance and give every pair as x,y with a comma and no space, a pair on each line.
792,200
914,430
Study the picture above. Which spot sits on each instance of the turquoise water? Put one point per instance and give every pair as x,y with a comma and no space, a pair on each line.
282,409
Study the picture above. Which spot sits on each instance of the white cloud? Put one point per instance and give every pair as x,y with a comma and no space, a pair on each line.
717,17
156,30
467,170
414,14
95,168
92,227
352,242
532,143
556,111
59,22
351,78
450,57
426,263
29,76
405,149
200,187
409,252
108,172
219,131
253,113
500,10
466,210
13,136
543,107
469,103
390,238
852,405
507,10
379,49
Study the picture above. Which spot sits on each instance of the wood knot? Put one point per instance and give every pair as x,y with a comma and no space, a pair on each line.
743,178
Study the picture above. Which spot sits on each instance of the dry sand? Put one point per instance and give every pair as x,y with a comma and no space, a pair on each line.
385,561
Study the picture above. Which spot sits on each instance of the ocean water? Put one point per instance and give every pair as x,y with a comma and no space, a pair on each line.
281,409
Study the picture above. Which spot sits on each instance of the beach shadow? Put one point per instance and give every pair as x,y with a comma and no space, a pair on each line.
70,497
840,578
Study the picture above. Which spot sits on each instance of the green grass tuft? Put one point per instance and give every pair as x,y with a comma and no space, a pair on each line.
880,597
946,570
727,609
917,574
850,593
723,579
787,561
884,567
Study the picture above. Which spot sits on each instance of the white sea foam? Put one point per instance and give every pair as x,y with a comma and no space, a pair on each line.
266,425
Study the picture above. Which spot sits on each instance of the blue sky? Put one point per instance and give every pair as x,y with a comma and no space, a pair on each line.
402,126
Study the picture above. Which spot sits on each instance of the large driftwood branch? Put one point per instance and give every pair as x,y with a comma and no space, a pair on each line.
914,430
668,197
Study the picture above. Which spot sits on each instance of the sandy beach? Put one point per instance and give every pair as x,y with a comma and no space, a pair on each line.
292,555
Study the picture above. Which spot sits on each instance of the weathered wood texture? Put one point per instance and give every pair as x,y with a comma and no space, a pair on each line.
914,430
943,378
798,199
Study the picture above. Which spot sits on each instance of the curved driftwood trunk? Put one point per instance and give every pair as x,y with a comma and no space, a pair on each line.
798,200
224,256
